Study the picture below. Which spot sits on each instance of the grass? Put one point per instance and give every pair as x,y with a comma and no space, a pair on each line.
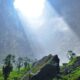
1,76
74,75
14,75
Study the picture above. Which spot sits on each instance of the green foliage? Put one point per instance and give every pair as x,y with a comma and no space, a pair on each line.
7,67
74,75
1,76
9,59
71,62
14,75
17,75
19,63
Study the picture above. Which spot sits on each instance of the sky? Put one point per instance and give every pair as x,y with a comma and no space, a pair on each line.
40,28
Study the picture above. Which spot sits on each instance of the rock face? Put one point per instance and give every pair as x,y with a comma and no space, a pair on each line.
49,71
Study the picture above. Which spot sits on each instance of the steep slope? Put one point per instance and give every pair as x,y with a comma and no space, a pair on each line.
42,62
48,64
71,70
50,69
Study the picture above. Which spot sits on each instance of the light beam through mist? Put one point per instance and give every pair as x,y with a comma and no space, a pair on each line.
30,8
47,31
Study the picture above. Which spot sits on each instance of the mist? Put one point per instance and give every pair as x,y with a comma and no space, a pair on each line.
55,32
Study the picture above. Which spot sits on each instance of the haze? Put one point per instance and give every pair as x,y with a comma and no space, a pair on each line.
54,31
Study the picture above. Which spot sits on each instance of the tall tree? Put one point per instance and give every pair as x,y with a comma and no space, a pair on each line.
19,63
71,54
8,67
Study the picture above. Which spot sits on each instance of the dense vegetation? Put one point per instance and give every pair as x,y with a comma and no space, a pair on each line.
14,75
14,69
25,68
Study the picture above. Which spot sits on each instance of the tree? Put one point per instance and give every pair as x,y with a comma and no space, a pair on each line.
71,54
19,63
8,67
28,65
25,64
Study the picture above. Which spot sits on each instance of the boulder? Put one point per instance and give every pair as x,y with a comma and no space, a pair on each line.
49,71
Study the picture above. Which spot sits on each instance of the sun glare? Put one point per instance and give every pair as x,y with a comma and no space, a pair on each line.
30,8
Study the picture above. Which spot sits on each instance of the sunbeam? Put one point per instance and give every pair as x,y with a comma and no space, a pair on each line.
30,8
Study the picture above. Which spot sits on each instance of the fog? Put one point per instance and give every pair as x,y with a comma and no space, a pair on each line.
54,32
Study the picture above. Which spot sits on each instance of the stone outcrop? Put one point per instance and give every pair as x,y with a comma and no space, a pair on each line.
49,71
